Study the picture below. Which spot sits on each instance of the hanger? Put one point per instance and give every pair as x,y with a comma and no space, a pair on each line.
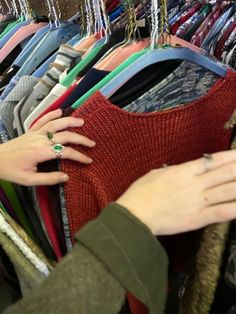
131,44
10,10
87,19
137,62
164,54
102,27
130,32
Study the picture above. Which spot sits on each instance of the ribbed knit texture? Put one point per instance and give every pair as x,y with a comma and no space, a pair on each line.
129,145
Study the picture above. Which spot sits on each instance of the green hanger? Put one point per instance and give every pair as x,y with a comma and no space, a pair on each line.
110,76
10,26
71,76
14,200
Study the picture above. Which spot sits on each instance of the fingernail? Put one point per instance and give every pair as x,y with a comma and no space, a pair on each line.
58,111
93,143
79,122
64,178
90,160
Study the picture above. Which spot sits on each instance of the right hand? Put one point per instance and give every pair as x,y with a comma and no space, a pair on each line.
182,198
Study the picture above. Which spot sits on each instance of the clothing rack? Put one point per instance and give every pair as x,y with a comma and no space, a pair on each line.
183,129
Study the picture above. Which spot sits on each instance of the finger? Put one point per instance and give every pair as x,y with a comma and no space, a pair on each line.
218,213
220,159
51,178
72,154
222,175
55,114
62,124
221,194
67,153
72,138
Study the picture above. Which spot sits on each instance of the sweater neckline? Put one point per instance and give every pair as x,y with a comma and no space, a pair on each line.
102,101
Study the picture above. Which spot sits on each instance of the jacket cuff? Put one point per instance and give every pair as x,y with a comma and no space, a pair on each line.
131,253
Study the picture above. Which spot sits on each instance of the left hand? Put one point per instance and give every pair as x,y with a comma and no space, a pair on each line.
19,157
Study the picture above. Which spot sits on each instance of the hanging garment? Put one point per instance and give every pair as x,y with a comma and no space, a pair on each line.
206,26
187,30
227,30
11,26
184,85
6,22
7,205
128,135
100,279
26,245
32,212
143,82
23,88
31,45
4,39
184,17
30,277
228,45
52,105
199,81
47,46
22,34
212,37
65,57
61,88
19,61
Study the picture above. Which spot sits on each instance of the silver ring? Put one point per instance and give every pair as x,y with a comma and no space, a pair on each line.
58,150
207,158
50,137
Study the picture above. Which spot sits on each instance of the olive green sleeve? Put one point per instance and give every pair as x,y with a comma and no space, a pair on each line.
131,253
114,253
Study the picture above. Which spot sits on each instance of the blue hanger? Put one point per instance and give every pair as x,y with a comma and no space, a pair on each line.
159,55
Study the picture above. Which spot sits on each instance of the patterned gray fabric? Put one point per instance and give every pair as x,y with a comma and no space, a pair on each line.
66,57
187,83
4,136
23,88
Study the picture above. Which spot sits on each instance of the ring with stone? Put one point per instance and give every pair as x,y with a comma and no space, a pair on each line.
50,137
58,150
207,158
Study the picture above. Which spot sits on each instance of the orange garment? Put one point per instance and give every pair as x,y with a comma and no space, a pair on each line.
86,43
115,58
128,145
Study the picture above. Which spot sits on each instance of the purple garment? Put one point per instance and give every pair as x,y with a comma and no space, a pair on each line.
7,205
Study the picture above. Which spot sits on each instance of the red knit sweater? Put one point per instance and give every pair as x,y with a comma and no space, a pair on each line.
131,144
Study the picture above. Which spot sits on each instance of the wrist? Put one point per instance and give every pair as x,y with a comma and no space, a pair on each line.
140,215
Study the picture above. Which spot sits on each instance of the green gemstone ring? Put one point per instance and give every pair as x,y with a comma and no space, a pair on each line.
58,150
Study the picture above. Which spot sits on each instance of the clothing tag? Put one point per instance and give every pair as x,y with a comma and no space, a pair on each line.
141,23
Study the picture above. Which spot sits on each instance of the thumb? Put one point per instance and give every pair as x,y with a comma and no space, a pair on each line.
50,178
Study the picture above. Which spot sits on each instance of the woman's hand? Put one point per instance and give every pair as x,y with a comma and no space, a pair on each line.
19,157
185,197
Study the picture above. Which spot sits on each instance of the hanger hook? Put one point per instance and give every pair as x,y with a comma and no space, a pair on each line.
155,23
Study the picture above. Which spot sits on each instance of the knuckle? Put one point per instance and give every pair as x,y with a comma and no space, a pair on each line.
220,214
